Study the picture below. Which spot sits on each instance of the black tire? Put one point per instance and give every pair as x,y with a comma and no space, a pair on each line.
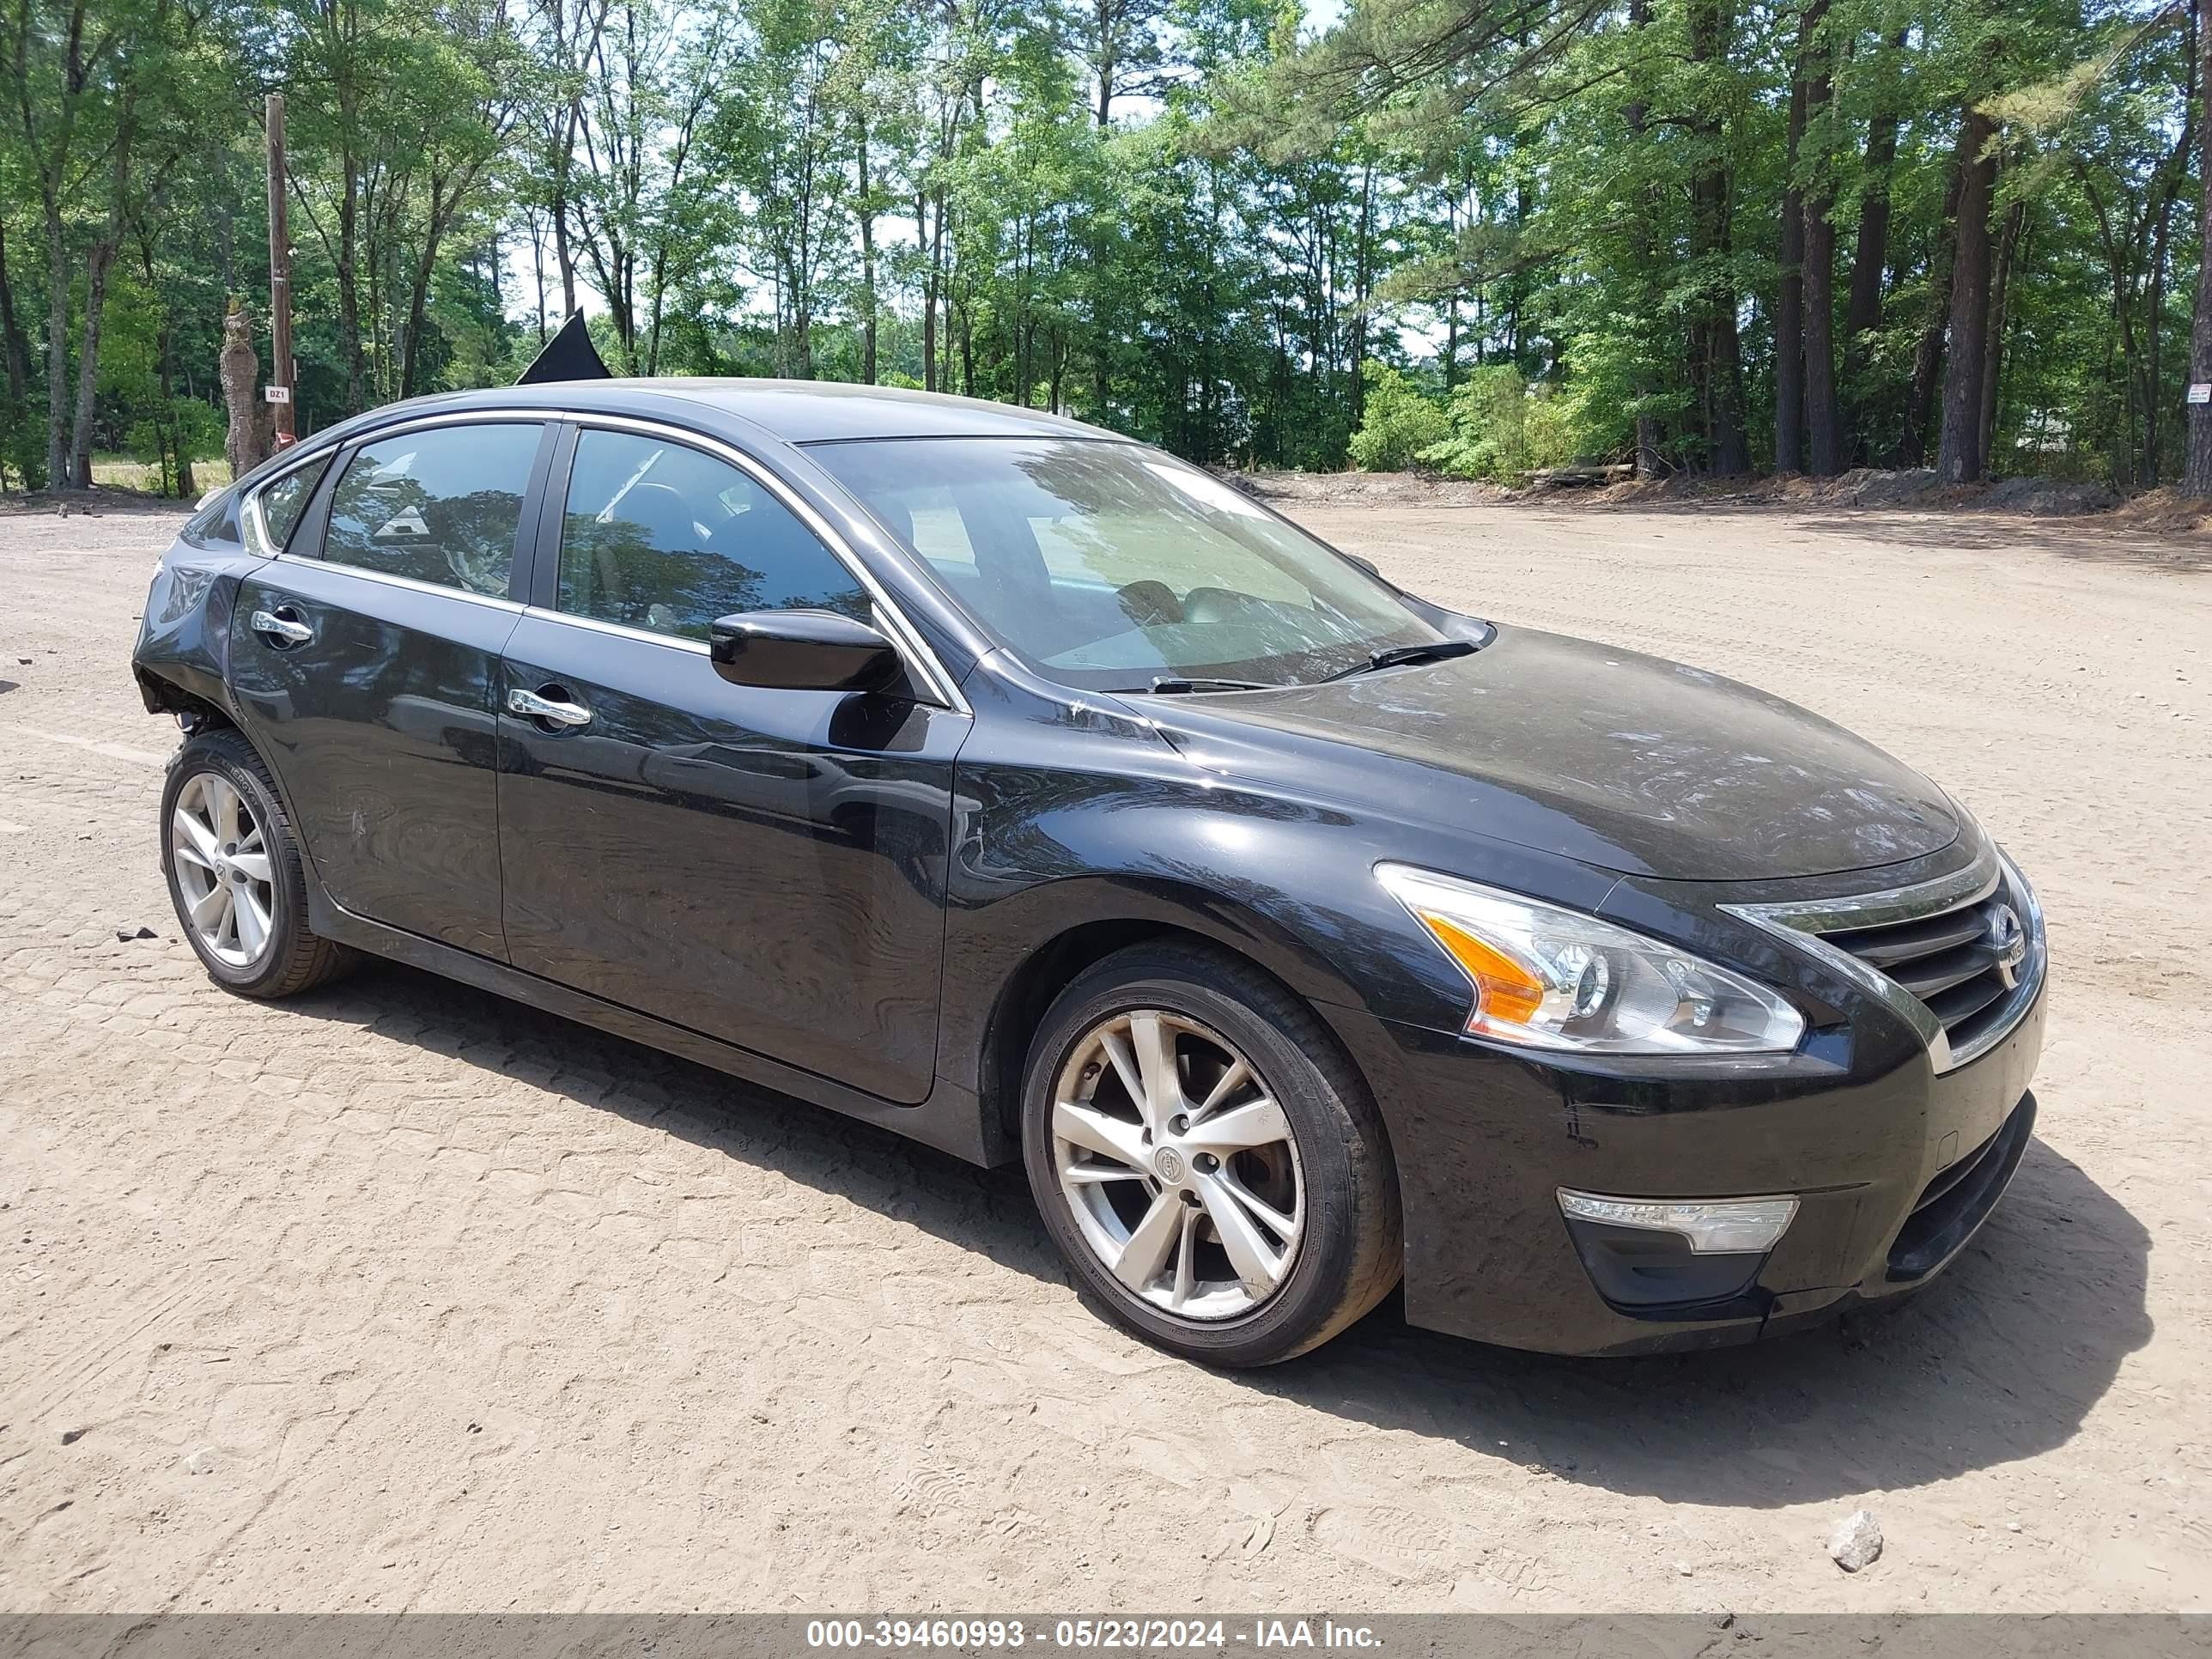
294,959
1350,1254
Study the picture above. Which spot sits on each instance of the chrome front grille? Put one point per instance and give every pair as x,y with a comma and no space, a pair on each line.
1960,958
1959,964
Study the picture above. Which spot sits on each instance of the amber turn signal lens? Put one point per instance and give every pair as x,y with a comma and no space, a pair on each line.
1509,991
1548,977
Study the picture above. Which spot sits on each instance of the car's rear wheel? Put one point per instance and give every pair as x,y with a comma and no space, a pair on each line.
1210,1165
234,874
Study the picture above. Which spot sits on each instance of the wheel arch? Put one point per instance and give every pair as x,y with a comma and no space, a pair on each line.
200,716
195,713
293,955
1054,958
1350,1258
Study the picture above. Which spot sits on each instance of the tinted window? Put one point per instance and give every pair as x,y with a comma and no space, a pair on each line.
1109,564
284,501
441,505
661,536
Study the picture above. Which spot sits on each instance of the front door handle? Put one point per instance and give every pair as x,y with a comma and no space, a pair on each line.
280,627
553,710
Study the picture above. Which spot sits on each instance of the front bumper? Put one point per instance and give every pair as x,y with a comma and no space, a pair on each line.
1894,1165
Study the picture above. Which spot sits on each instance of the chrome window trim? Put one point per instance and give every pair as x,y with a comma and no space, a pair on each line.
498,415
251,511
410,583
929,674
620,630
1801,924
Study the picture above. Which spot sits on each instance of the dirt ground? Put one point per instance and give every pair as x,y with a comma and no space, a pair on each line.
402,1296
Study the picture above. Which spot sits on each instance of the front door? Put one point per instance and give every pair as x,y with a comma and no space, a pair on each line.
364,661
764,866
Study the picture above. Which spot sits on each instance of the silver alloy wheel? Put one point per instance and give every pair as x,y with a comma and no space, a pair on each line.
1177,1164
222,861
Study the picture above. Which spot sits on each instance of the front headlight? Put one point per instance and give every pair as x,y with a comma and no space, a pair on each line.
1549,978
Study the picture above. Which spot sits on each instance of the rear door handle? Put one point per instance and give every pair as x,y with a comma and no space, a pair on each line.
280,627
553,710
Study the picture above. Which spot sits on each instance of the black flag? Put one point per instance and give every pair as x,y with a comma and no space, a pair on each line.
568,355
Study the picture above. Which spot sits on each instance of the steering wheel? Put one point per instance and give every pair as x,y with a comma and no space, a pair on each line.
1149,604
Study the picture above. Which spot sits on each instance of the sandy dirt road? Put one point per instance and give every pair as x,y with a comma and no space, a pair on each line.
402,1296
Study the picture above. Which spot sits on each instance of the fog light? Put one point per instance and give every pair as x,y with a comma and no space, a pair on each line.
1715,1226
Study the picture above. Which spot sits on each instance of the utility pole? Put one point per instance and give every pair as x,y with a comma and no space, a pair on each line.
2197,453
279,392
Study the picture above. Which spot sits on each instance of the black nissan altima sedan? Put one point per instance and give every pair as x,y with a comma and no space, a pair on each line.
981,775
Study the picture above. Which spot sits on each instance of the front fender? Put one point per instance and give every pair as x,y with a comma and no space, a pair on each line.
1073,816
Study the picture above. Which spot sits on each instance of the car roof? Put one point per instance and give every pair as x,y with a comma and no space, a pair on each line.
819,411
795,411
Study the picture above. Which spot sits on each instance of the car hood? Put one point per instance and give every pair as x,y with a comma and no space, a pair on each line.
1621,761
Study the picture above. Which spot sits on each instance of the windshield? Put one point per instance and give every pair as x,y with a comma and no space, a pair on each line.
1111,566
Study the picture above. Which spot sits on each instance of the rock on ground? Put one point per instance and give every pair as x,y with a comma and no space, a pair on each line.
1856,1541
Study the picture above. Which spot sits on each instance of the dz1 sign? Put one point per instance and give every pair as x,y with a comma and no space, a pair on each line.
277,394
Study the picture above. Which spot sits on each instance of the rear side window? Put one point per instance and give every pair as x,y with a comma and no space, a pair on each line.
283,502
441,505
661,536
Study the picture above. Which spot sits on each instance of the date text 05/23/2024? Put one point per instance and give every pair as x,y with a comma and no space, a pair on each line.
1123,1634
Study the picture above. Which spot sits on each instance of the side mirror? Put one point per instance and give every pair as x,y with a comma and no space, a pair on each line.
804,651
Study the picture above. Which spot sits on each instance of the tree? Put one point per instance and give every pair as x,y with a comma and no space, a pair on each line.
1824,413
1790,304
1200,222
1118,43
562,37
2196,475
1871,249
783,142
640,207
1958,459
71,102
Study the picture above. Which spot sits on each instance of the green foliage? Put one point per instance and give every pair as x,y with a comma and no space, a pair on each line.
1398,425
1489,426
23,449
1502,428
1491,241
1555,428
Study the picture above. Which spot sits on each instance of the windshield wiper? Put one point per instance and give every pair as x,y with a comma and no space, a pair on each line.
1398,655
1173,685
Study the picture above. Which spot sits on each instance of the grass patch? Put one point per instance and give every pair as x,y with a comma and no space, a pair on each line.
121,473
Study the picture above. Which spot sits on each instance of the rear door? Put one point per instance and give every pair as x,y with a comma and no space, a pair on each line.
364,658
764,867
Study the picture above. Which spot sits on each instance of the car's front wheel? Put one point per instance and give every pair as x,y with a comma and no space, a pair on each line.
235,873
1210,1165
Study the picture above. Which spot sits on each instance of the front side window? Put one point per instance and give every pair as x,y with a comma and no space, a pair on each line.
283,502
1109,565
441,505
660,536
